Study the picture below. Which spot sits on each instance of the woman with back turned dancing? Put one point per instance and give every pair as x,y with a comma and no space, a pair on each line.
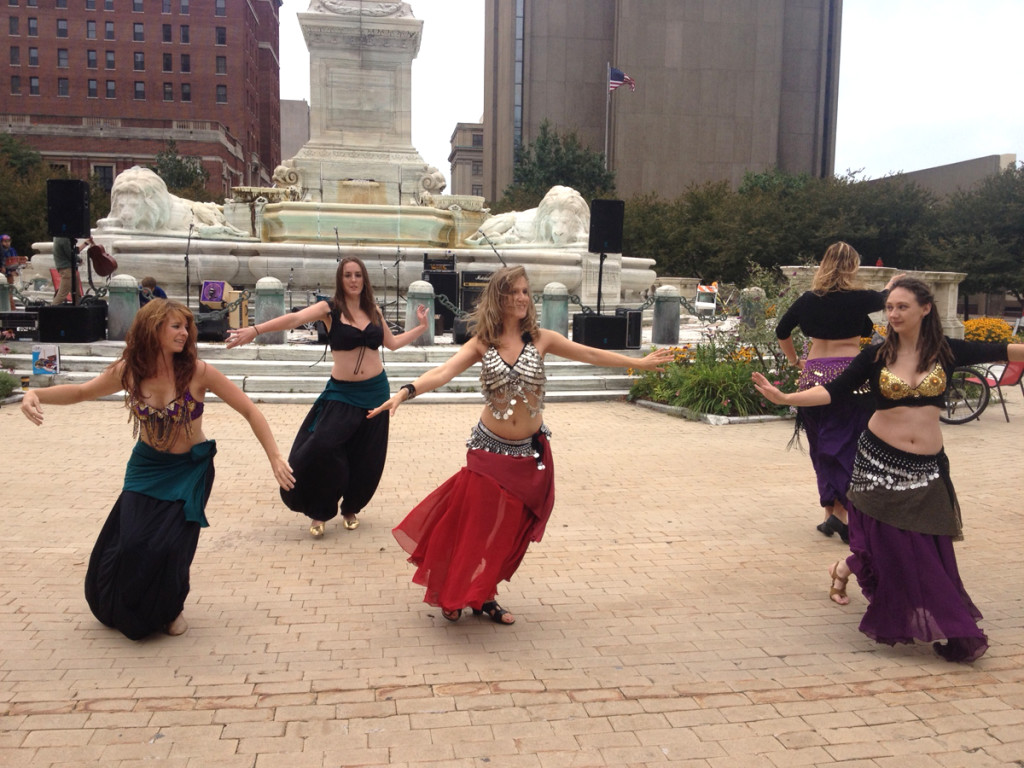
905,515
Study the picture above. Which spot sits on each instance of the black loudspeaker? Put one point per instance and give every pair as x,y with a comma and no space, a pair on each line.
66,323
473,284
634,326
601,331
460,330
606,226
445,284
210,326
67,207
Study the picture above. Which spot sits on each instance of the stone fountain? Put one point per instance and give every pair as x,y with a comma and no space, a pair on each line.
358,187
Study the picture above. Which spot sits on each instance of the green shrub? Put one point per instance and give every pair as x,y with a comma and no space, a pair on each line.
7,384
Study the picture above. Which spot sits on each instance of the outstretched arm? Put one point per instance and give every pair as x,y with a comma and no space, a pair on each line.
222,387
814,396
397,342
471,352
239,336
107,383
556,344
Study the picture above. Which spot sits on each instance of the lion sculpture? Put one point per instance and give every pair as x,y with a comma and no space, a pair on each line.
139,201
562,218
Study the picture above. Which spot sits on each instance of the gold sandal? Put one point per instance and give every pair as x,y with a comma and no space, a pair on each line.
840,591
317,530
350,525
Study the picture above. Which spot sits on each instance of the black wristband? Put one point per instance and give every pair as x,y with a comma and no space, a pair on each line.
410,389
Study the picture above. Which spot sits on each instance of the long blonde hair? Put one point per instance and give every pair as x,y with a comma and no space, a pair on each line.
838,270
485,322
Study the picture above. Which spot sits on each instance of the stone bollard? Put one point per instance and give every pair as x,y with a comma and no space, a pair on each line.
554,308
5,295
666,315
122,306
269,304
420,292
752,306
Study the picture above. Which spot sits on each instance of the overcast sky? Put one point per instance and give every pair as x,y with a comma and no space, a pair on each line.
922,82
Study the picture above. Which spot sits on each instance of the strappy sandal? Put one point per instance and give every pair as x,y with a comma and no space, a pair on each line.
495,612
840,591
452,615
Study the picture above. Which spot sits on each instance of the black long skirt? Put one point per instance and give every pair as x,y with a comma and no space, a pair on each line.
138,575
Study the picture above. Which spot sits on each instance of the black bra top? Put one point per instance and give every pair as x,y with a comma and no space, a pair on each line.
344,337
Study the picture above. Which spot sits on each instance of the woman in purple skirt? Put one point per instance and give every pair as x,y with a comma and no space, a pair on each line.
834,317
905,516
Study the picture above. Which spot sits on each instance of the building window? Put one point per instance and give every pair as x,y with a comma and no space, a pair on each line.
166,7
12,25
139,61
168,36
478,168
90,5
62,58
138,32
111,89
186,92
108,30
110,60
12,3
220,8
32,3
90,30
61,4
168,62
15,85
91,61
62,27
186,63
33,86
184,33
222,65
183,10
33,56
478,190
168,91
222,94
62,86
33,27
105,175
478,139
140,90
137,6
15,56
108,5
221,35
93,88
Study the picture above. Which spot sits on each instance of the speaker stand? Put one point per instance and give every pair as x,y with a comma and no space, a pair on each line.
600,275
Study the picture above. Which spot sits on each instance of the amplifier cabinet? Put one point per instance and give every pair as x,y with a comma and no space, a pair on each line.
601,331
79,323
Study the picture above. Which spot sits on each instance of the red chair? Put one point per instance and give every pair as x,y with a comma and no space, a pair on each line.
1011,375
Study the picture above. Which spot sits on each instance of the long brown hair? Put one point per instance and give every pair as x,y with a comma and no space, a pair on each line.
838,270
931,342
142,348
485,322
366,301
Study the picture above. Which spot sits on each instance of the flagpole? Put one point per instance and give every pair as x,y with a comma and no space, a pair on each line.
607,108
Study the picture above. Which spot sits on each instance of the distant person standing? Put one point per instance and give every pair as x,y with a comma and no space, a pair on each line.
65,260
149,290
10,262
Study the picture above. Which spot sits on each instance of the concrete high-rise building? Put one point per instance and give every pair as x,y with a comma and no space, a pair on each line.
467,159
723,87
97,86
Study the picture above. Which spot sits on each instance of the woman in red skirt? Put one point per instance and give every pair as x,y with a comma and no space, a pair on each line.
472,531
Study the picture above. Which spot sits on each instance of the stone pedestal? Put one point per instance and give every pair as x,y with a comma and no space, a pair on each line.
122,306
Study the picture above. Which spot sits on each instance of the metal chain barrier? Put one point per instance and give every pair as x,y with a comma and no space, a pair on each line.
218,314
447,304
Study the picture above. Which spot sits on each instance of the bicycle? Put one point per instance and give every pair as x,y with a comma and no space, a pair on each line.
967,396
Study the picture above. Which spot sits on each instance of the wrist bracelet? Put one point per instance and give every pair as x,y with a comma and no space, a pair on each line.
410,389
257,329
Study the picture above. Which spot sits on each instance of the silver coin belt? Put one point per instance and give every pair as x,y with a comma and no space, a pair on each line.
878,465
482,439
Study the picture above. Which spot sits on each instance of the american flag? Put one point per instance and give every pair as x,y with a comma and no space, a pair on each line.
617,78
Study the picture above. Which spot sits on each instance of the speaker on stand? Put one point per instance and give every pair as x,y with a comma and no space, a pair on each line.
67,207
597,330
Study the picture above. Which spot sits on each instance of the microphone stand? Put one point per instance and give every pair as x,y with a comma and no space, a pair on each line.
188,284
485,237
600,273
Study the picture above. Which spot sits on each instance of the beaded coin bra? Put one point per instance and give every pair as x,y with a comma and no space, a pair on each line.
504,385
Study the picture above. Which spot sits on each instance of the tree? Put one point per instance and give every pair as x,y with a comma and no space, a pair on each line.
22,194
554,159
183,175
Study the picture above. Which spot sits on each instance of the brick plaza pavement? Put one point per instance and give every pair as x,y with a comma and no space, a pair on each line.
674,615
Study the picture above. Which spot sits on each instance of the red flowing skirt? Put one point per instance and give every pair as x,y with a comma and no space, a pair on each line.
473,530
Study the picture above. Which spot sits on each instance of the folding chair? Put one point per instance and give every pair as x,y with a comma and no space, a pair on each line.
1011,375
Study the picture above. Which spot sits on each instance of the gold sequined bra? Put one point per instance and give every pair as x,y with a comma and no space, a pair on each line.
929,392
504,385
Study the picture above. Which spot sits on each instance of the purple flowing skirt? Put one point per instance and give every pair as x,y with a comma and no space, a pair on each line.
913,589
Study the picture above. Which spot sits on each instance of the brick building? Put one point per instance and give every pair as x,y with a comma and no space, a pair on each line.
467,159
98,86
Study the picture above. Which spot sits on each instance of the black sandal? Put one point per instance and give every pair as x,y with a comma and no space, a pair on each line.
452,615
496,613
